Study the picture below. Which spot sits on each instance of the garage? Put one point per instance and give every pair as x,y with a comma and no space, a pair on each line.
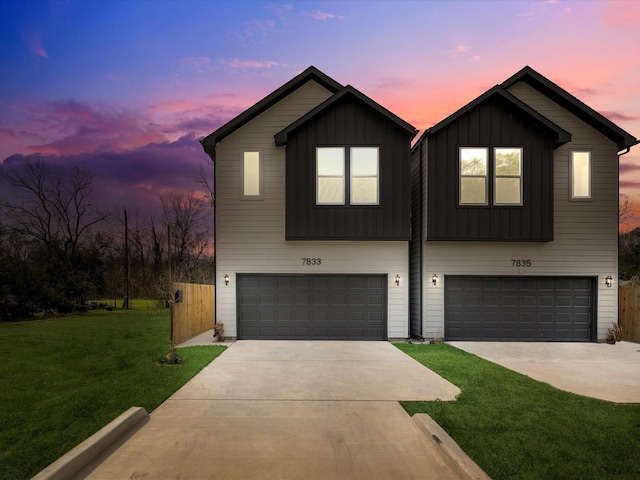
312,307
519,308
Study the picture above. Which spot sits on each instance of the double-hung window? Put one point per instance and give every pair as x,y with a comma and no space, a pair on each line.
508,176
503,165
332,165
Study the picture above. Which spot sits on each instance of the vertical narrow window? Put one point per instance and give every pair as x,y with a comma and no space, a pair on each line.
330,176
580,175
508,176
364,175
473,176
252,175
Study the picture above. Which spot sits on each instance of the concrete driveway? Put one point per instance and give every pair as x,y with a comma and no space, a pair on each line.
292,409
598,370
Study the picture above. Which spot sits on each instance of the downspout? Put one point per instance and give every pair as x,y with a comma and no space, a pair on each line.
212,154
421,282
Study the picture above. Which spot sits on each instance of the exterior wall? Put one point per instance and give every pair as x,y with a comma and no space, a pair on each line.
585,232
251,233
349,122
493,123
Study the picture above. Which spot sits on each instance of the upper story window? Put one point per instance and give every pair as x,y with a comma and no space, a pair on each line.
508,176
252,176
332,163
476,169
580,175
473,176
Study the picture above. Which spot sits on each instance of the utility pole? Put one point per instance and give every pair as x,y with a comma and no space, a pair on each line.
170,289
125,304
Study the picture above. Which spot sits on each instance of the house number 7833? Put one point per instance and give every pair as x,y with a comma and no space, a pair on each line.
311,261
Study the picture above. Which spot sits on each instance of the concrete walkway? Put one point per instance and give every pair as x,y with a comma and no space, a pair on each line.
292,410
598,370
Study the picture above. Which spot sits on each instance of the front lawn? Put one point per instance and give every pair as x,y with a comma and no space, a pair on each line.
517,428
63,379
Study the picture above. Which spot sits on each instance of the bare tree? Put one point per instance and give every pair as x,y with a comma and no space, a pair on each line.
50,204
626,209
190,229
204,179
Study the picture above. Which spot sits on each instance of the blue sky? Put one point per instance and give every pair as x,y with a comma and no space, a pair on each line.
127,87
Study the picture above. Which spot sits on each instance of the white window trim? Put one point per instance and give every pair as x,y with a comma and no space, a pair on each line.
376,176
572,197
260,195
344,180
496,176
461,176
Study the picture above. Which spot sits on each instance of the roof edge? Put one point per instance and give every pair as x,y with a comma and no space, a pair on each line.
281,137
311,73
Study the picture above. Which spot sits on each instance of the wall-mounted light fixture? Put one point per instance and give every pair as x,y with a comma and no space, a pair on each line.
226,279
608,281
397,279
434,279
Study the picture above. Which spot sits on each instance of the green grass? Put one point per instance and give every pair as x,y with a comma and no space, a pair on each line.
517,428
63,379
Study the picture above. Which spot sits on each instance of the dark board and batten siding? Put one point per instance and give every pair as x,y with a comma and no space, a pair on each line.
490,124
348,123
415,247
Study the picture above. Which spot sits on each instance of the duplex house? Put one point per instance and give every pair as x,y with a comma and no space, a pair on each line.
515,200
499,224
312,221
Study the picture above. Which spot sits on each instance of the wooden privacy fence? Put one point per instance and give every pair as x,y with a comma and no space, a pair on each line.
193,311
629,312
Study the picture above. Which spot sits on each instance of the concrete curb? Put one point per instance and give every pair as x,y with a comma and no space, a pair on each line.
77,458
459,461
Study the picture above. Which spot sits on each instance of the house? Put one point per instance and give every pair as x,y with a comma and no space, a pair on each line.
312,215
515,225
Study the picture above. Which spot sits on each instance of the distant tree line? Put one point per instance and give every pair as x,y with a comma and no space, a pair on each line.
59,249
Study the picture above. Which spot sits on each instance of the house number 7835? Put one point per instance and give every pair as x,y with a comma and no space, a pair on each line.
520,263
311,261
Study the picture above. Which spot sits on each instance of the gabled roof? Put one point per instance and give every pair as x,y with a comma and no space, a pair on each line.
348,91
561,135
311,73
563,98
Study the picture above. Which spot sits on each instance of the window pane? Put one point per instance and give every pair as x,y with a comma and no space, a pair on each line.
330,186
364,175
581,171
330,161
473,161
472,190
508,161
330,190
251,172
364,190
508,191
364,161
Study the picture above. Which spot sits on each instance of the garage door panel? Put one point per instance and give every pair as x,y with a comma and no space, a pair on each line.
520,309
312,306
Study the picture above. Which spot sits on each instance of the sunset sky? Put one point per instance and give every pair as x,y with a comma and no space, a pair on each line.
128,87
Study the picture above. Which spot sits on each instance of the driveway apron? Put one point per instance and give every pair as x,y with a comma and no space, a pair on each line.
597,370
289,410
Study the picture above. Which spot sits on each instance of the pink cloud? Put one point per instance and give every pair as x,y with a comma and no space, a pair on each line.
323,16
621,13
35,45
238,64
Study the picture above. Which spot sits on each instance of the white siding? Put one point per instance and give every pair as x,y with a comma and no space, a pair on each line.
585,232
250,234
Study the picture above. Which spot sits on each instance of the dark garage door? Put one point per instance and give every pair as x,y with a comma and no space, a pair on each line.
519,308
312,307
